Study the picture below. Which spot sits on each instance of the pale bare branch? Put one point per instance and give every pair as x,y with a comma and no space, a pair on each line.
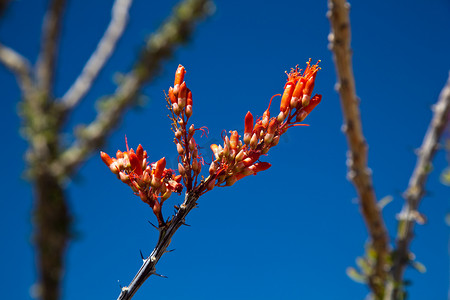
159,47
49,45
358,173
105,48
416,190
19,66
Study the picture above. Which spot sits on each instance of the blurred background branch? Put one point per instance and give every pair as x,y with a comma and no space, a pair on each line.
49,163
409,214
359,173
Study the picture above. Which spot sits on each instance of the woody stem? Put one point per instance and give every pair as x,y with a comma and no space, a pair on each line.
166,233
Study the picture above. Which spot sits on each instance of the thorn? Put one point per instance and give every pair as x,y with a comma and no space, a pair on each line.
142,256
153,225
183,222
171,250
176,207
159,275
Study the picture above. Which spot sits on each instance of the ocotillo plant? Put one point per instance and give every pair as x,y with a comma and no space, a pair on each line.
232,161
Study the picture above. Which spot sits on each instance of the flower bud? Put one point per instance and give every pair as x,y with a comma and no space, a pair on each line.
210,185
180,149
178,134
192,144
272,126
239,156
275,140
212,168
196,167
181,169
176,109
188,111
281,116
215,150
166,195
191,129
231,180
234,140
182,95
305,100
124,177
254,141
268,138
114,168
301,115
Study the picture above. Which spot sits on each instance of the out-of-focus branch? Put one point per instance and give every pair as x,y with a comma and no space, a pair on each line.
358,173
100,56
19,66
3,6
416,190
165,235
51,29
160,46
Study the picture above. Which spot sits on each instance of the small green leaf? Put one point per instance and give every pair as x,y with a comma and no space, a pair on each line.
418,266
363,265
445,176
355,275
385,201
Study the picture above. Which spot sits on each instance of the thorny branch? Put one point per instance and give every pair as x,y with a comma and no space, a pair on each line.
165,235
159,46
358,173
416,190
104,50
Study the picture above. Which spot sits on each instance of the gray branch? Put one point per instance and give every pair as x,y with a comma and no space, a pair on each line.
19,66
416,190
105,48
51,29
159,46
165,235
359,172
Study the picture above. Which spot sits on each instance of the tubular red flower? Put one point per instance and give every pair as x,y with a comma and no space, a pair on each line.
313,103
272,126
182,94
172,97
261,166
179,77
160,165
106,158
140,152
234,140
248,123
286,98
136,165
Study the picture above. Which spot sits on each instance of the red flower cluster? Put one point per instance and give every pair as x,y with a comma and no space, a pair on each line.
152,183
237,159
180,104
233,161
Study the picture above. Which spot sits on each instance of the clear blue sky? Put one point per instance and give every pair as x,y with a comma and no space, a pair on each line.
287,233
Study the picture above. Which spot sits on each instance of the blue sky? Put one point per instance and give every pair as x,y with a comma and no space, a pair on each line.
287,233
